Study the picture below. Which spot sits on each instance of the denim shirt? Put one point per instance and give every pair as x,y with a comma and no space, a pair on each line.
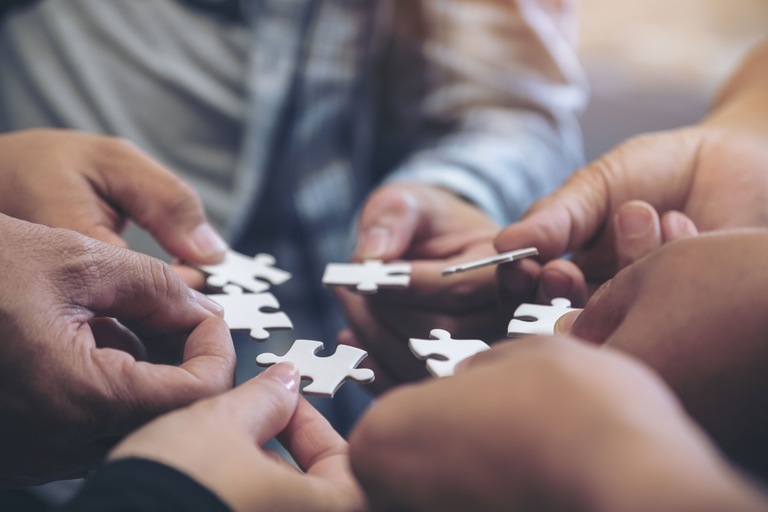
476,96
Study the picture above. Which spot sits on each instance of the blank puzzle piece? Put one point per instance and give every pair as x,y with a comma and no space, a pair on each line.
537,318
368,276
255,274
326,373
443,353
251,311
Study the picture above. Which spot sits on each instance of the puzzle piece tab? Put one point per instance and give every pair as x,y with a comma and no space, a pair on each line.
443,353
250,311
255,274
369,276
326,373
537,318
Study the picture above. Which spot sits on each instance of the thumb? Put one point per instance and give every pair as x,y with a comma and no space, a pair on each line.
131,286
388,224
267,402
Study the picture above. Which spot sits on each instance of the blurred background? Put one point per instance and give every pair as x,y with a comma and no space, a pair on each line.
655,64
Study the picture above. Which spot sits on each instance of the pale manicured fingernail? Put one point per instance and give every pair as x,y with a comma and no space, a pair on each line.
565,323
207,242
207,303
374,242
635,221
285,373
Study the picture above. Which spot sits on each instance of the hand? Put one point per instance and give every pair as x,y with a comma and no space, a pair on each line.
540,424
695,312
432,229
73,380
714,173
689,170
231,429
93,184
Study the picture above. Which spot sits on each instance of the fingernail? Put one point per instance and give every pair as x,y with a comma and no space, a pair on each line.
679,225
635,221
207,242
285,373
207,303
374,243
565,322
555,284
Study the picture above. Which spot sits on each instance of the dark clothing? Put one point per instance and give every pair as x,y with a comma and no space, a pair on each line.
138,485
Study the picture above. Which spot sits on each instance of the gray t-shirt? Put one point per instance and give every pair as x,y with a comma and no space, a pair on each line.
170,78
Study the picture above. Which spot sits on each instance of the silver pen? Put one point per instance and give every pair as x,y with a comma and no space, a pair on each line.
493,260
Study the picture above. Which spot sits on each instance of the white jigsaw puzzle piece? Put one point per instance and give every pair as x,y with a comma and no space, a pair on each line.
537,318
255,274
369,276
246,311
443,353
326,373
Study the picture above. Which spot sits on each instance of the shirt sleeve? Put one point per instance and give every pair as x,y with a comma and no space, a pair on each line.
138,485
483,99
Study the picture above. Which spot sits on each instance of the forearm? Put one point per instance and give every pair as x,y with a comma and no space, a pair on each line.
496,120
743,100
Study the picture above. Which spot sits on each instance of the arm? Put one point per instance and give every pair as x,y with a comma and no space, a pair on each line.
542,424
694,311
94,184
483,102
79,321
218,443
493,117
714,173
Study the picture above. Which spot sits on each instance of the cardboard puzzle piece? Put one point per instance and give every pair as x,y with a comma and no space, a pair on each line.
255,274
326,373
537,318
443,353
251,311
369,276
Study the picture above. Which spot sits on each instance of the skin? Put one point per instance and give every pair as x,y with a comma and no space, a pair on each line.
431,228
93,184
79,319
694,310
600,432
706,177
232,427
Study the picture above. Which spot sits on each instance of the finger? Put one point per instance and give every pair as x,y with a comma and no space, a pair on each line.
142,390
386,347
637,232
109,333
518,281
383,382
563,221
310,439
191,276
131,286
158,201
266,403
571,218
676,225
562,278
388,224
564,324
604,312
